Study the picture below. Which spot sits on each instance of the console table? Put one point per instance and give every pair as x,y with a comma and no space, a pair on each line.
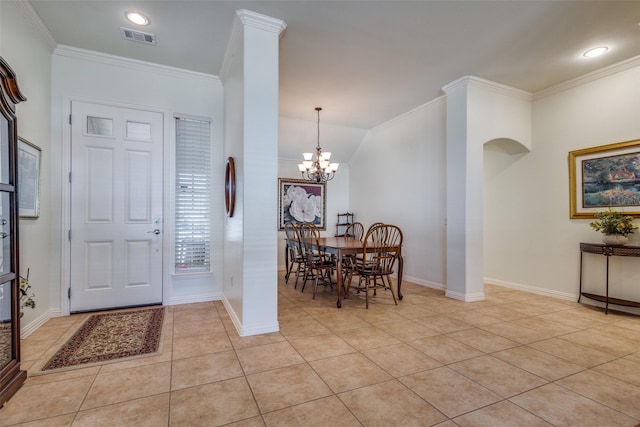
607,251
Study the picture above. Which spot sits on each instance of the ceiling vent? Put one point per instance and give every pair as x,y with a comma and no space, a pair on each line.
138,36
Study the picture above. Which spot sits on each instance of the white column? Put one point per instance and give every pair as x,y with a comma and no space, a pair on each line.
250,76
478,111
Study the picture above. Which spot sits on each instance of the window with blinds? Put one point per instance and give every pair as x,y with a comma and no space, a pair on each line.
193,196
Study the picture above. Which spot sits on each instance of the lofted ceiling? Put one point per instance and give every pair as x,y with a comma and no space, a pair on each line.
366,62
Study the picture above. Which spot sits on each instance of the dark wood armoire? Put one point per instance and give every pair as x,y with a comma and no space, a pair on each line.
11,376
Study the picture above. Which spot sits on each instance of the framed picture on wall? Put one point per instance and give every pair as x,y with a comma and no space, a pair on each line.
603,177
302,201
28,179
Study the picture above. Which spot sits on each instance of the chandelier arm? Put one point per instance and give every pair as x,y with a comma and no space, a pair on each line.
315,170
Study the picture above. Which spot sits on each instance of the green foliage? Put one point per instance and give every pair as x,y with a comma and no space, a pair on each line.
616,196
613,222
26,298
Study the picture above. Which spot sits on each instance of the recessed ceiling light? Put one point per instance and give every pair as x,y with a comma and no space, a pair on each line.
137,18
596,51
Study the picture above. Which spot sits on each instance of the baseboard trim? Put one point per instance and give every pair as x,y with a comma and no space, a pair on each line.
193,299
245,332
531,289
32,326
232,314
422,282
478,296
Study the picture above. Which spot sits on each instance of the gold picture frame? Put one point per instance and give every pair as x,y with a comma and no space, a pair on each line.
607,176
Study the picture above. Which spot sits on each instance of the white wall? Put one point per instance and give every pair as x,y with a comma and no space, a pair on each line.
79,74
397,176
530,242
27,48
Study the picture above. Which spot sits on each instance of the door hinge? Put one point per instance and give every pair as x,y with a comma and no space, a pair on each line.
69,177
69,293
69,118
69,235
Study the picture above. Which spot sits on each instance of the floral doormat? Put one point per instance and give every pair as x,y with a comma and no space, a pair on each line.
111,337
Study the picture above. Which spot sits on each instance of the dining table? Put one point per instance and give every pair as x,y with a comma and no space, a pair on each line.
341,246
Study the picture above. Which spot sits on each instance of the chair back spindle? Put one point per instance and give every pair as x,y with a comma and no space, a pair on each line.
355,231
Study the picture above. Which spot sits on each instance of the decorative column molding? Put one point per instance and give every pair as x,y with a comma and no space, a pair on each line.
263,22
478,111
246,18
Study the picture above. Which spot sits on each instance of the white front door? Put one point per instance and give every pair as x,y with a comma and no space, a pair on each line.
116,207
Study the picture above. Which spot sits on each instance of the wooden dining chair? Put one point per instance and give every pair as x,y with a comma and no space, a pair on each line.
294,248
355,231
381,249
374,225
319,265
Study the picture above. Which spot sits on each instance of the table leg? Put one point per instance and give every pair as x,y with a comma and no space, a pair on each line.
606,298
286,262
580,291
400,268
339,279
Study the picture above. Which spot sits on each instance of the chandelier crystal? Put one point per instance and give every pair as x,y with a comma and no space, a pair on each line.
318,169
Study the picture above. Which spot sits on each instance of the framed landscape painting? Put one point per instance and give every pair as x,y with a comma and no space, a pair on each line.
301,201
603,177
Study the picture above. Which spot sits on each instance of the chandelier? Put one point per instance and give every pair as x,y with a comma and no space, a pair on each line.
318,169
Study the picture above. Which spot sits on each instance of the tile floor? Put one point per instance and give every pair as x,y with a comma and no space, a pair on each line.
515,359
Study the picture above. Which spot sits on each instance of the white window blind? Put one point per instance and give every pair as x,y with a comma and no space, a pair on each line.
193,196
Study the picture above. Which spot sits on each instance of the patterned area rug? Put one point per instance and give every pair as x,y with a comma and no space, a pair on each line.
111,337
5,343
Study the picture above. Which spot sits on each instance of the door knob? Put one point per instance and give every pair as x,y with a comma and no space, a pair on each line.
156,231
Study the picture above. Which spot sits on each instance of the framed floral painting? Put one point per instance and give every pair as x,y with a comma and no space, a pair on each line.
301,201
604,177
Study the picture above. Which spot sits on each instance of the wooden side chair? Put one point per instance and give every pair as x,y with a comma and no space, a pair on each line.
373,225
381,250
355,231
295,251
319,265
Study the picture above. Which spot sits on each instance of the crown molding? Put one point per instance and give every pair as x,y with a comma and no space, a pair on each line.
133,64
32,16
243,18
442,99
263,22
589,77
509,91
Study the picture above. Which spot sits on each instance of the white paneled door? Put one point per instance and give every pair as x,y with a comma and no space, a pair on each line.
116,207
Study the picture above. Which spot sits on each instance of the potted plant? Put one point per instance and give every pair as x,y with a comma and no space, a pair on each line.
614,225
26,298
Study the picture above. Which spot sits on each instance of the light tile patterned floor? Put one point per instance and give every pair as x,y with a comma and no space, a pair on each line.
515,359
